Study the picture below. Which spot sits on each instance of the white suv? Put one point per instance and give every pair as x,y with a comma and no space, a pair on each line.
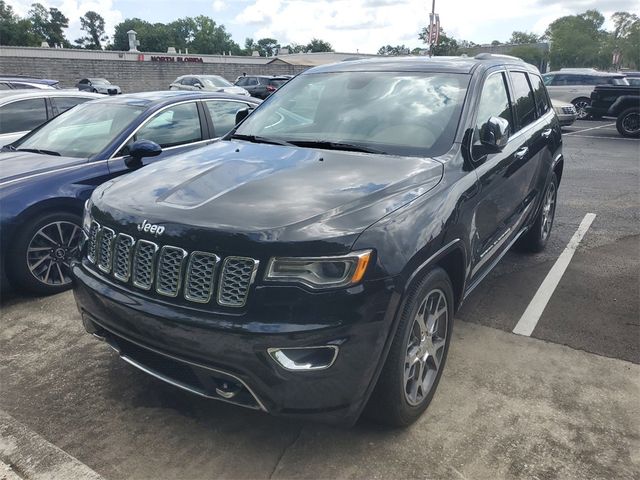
574,85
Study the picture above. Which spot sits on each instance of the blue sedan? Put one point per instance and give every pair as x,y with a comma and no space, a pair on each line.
47,175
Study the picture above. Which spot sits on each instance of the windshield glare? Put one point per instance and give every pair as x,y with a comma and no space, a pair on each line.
215,82
83,131
403,113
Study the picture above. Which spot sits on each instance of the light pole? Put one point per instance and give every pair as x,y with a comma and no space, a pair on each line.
432,25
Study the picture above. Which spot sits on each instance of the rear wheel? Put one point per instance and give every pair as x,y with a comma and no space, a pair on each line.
418,353
538,235
581,105
39,260
628,123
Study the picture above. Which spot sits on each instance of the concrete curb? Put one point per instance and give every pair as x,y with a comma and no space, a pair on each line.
28,455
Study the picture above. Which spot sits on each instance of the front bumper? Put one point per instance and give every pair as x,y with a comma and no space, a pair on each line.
214,354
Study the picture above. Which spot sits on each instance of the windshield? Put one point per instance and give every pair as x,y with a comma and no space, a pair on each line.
215,82
83,131
402,113
100,81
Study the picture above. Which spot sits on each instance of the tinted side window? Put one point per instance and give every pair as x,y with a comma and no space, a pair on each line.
242,81
176,125
223,115
494,101
252,81
548,79
65,103
542,101
523,99
22,115
562,79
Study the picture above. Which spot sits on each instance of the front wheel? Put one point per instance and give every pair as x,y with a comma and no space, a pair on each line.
416,359
39,260
538,235
628,123
581,105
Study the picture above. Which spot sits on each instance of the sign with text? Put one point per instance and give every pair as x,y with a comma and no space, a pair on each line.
171,59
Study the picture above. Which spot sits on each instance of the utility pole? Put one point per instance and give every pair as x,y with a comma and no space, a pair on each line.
432,25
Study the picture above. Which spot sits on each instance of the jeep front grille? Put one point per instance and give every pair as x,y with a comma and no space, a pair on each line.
171,270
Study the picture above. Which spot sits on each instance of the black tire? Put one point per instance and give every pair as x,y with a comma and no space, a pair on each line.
628,123
581,104
390,401
23,266
538,235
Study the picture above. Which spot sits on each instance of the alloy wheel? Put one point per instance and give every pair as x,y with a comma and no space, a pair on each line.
581,108
548,211
631,123
50,251
426,345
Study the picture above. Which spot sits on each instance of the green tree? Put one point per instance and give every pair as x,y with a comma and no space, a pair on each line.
93,24
267,46
521,38
625,38
210,38
316,46
496,43
578,41
393,51
48,25
152,37
529,54
14,30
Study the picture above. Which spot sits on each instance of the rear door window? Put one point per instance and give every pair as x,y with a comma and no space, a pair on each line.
223,115
177,125
63,104
540,94
523,99
23,115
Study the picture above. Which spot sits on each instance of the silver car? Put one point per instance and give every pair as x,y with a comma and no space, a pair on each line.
98,85
574,85
566,112
210,83
23,110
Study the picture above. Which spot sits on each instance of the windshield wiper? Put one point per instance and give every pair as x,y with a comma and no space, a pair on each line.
329,145
37,150
259,139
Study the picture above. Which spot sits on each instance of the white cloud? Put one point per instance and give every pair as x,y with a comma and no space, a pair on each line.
219,6
73,10
365,25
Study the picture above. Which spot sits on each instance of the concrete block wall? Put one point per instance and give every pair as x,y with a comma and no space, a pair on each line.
132,76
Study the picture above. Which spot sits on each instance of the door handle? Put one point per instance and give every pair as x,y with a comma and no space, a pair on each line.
521,153
546,133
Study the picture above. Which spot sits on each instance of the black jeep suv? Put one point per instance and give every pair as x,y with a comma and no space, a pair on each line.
310,263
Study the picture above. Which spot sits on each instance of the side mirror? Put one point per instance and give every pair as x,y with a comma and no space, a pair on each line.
494,134
141,149
197,85
242,114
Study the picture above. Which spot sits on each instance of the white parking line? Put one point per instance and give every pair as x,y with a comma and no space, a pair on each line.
606,138
592,128
536,307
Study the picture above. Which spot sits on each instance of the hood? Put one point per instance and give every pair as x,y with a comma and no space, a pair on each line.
15,165
235,90
269,192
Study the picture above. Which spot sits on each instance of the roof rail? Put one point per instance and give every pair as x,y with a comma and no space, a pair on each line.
488,56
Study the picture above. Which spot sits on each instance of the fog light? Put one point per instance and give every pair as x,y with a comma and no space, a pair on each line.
297,359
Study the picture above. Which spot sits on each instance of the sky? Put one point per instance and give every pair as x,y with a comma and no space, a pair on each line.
349,25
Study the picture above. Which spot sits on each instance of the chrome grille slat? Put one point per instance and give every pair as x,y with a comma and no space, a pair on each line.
144,264
92,245
105,249
200,276
170,266
122,257
237,276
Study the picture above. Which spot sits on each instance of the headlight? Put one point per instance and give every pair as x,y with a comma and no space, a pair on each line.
86,216
319,272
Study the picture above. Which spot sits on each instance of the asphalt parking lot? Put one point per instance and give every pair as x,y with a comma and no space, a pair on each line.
562,403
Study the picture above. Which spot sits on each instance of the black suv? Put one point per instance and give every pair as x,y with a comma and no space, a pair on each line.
261,86
311,262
